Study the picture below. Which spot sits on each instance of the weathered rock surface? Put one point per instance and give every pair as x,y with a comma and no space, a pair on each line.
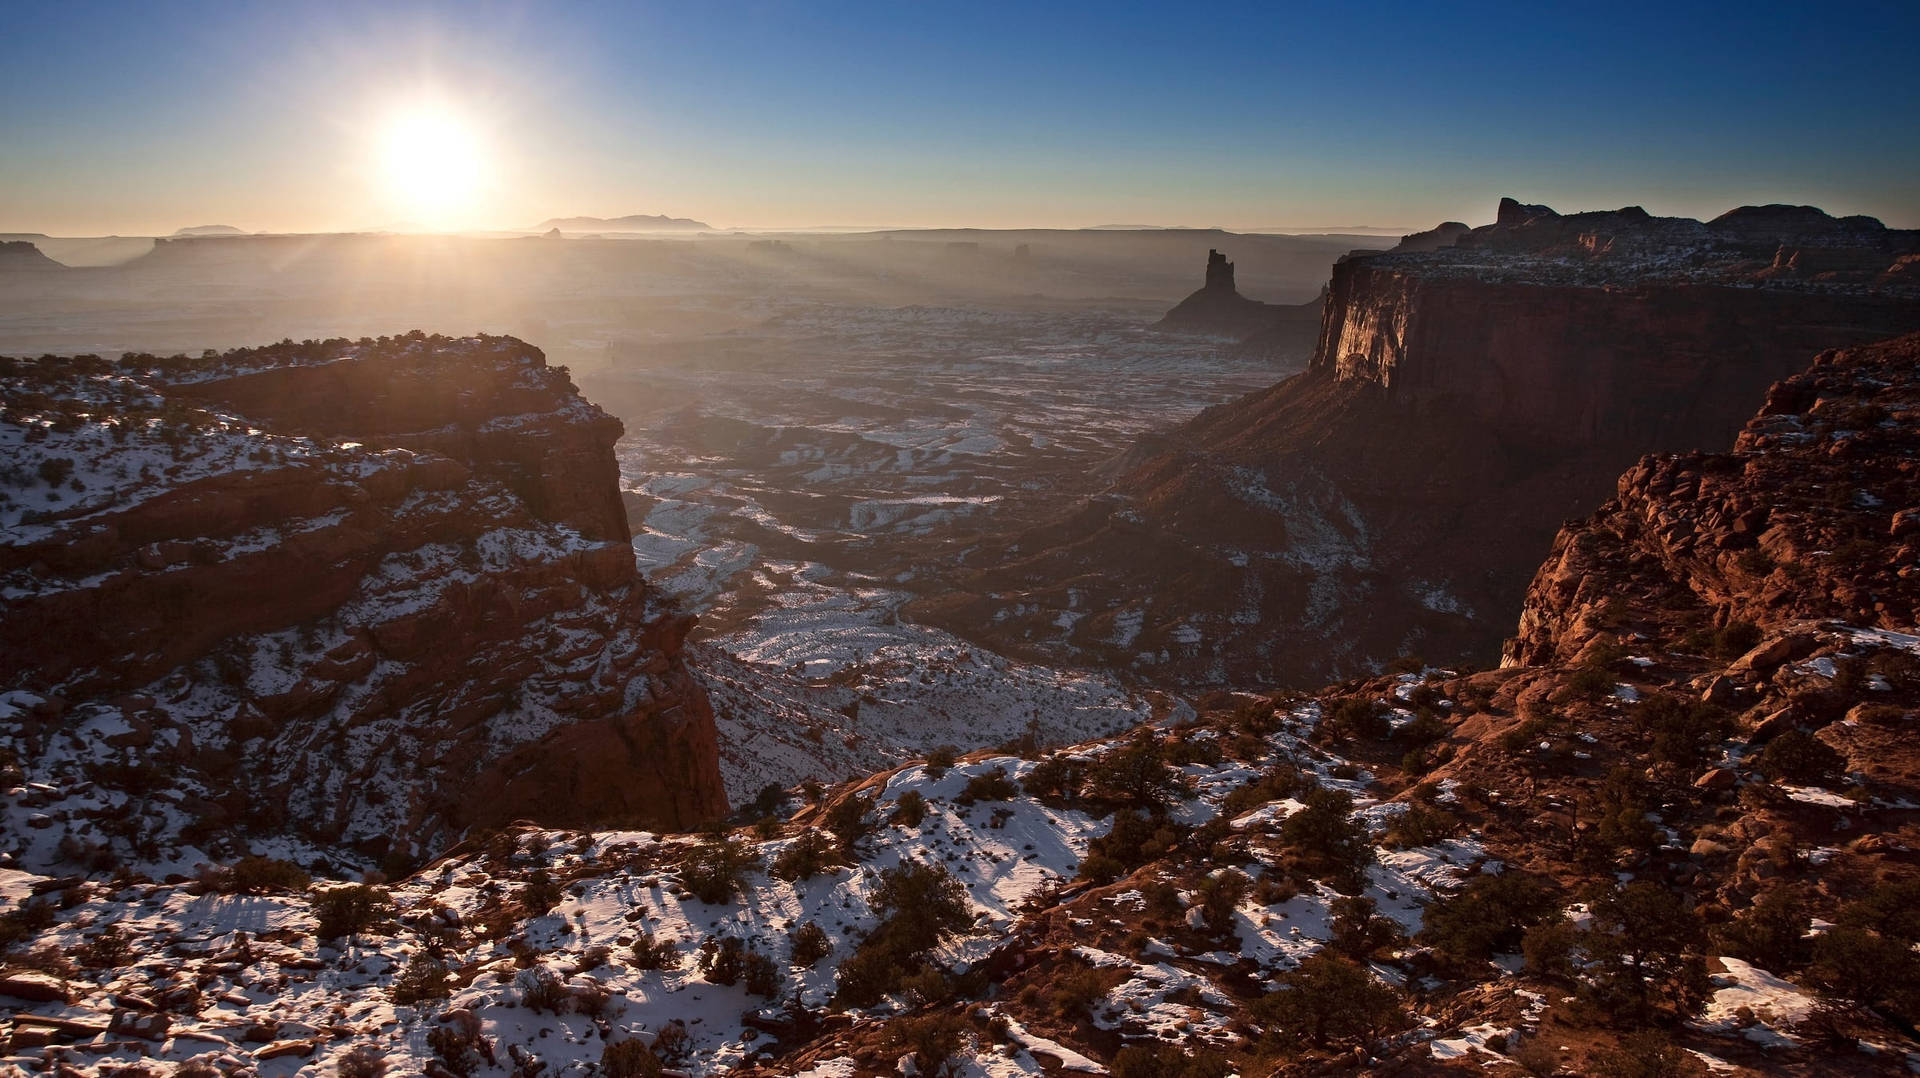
1278,332
368,594
1463,401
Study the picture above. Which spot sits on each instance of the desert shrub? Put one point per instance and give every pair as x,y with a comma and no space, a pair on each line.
1644,948
29,920
909,810
1136,775
108,949
1076,989
1325,836
360,1062
1426,727
652,952
942,759
1325,1001
1277,783
1771,932
1182,749
541,991
629,1059
1055,780
1548,947
1590,681
1219,896
540,893
810,945
933,1040
458,1048
1359,931
1132,841
1647,1054
990,785
1357,718
265,875
1798,756
1730,641
1622,803
1422,824
1168,1061
1869,957
716,869
722,961
1489,916
350,909
761,975
847,819
1681,731
919,905
807,856
425,978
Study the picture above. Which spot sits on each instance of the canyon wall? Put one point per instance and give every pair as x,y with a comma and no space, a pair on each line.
1470,391
368,594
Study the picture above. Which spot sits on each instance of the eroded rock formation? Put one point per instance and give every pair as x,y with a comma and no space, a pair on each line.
1463,401
368,594
1278,332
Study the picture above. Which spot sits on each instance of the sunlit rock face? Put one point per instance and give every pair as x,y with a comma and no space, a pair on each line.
367,594
1471,390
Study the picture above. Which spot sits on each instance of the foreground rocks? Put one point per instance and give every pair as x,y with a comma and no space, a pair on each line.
366,594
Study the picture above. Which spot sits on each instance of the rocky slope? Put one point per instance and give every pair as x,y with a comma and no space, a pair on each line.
1464,399
360,595
1674,835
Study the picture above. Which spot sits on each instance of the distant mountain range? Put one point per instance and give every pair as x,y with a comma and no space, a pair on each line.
633,222
210,230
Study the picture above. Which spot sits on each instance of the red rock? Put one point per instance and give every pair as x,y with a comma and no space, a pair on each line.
1716,780
34,986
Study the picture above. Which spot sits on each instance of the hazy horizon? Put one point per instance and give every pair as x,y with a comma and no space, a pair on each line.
142,119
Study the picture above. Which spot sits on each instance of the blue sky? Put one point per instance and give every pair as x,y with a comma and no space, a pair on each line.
146,117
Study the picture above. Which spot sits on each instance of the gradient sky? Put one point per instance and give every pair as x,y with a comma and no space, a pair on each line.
139,118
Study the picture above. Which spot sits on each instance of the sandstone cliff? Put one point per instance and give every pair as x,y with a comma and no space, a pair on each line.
1469,392
368,594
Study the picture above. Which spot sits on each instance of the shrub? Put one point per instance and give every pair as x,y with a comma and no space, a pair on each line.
941,759
847,819
458,1047
1771,932
1421,825
991,785
541,991
361,1062
540,893
1055,780
1591,682
1325,835
1867,967
1220,896
1358,931
1489,916
424,978
110,949
810,945
919,905
1281,781
1136,775
910,810
350,909
1682,730
1361,718
762,977
717,868
1132,841
1644,945
1327,1000
651,952
265,875
722,961
1168,1061
1798,756
1646,1054
933,1040
807,856
629,1059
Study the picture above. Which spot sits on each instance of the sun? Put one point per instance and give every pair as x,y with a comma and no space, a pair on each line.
431,162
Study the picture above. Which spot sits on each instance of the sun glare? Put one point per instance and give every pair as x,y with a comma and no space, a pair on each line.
431,163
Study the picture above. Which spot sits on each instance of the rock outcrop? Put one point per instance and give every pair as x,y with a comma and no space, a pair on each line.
1277,332
365,594
1462,402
